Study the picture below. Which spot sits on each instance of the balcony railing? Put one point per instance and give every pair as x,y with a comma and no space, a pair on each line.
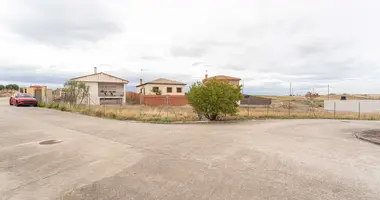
111,94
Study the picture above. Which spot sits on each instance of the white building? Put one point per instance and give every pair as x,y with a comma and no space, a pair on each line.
104,88
161,86
362,106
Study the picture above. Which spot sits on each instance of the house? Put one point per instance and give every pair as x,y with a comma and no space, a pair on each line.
161,86
41,93
229,79
104,88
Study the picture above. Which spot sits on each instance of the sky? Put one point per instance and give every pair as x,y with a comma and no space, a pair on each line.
267,43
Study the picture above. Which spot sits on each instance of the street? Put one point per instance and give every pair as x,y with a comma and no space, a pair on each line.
95,158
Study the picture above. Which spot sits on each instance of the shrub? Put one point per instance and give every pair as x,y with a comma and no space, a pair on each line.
52,105
41,104
111,114
99,113
214,98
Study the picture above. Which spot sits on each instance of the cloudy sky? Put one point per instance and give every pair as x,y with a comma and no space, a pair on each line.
268,43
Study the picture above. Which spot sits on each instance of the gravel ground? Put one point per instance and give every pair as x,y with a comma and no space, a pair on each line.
82,157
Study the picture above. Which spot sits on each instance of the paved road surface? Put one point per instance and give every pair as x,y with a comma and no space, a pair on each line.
109,159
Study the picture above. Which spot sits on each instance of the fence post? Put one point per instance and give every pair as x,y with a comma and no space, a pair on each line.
289,109
89,102
267,108
359,109
249,105
140,103
334,108
167,107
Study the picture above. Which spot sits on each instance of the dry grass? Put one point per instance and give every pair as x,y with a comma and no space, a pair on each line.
291,108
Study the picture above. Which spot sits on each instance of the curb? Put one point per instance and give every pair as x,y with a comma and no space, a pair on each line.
357,135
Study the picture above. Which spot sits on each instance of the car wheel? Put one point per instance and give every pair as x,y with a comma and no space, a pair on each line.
16,104
10,103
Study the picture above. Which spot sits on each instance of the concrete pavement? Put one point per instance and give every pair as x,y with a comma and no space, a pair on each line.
109,159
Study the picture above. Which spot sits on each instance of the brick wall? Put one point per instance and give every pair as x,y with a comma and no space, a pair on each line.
157,100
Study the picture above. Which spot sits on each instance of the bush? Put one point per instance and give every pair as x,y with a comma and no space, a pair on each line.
53,105
63,107
214,98
99,113
111,114
41,104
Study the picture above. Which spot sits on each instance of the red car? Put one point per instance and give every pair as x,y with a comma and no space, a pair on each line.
21,99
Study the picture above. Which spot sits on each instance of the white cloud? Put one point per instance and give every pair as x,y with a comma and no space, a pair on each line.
267,43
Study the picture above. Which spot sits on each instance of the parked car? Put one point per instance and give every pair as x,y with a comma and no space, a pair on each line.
20,99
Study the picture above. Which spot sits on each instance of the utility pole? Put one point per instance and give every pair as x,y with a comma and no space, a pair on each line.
328,92
290,88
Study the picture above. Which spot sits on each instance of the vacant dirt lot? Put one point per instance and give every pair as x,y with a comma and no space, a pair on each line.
93,158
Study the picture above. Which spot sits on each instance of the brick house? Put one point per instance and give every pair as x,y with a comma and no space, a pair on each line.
161,86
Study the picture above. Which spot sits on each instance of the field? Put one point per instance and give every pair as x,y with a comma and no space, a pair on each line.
282,107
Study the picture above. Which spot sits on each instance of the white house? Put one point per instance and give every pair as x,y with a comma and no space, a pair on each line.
161,86
104,88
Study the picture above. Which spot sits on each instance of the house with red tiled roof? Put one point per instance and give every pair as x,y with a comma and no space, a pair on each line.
229,79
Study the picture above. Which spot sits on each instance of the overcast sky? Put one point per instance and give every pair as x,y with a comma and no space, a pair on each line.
265,42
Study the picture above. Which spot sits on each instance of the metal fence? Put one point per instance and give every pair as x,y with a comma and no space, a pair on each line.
315,109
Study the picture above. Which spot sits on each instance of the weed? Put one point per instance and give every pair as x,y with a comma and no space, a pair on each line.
41,104
99,113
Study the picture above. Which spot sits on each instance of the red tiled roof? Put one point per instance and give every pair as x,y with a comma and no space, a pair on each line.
223,77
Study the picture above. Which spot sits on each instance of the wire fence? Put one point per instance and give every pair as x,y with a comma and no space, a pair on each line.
310,109
292,109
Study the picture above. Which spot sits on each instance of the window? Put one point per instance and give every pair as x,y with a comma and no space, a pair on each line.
155,89
107,90
169,90
179,90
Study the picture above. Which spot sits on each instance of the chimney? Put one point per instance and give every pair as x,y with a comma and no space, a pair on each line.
140,81
206,76
95,70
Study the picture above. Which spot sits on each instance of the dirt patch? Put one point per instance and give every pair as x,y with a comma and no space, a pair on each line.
369,135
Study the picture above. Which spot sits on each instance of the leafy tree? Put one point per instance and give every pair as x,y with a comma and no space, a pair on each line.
214,98
312,102
75,92
2,87
12,87
15,86
9,87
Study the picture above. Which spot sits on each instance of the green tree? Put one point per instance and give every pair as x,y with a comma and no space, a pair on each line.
15,87
12,87
2,87
214,98
9,87
75,92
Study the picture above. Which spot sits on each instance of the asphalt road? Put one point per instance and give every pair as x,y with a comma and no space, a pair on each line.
108,159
